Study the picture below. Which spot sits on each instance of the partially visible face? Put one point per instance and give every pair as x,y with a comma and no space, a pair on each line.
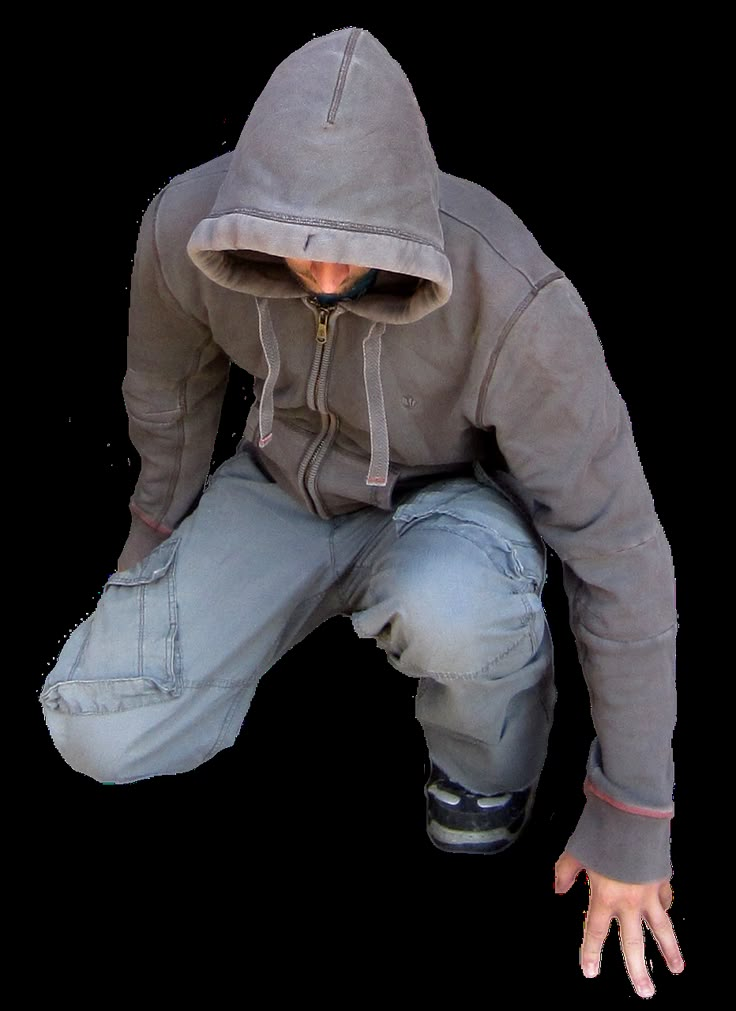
325,278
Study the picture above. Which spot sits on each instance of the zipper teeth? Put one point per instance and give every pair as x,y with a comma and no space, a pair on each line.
322,369
327,418
321,451
314,379
317,387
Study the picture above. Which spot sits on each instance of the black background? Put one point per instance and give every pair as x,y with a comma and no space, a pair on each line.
318,810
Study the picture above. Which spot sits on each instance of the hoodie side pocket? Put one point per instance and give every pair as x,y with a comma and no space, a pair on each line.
126,654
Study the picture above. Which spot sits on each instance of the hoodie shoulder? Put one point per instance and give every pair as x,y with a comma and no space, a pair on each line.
172,215
188,197
471,213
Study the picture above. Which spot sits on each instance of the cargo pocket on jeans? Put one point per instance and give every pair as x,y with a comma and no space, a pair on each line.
481,515
126,654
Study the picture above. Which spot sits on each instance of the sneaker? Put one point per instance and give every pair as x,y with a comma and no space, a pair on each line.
460,821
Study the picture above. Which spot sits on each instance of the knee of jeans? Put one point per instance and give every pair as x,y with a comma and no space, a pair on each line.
116,665
99,746
161,739
439,617
496,639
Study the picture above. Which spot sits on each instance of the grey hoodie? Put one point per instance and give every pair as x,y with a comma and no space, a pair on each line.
472,349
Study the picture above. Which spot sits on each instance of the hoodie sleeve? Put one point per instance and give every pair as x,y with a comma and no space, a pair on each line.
566,435
173,389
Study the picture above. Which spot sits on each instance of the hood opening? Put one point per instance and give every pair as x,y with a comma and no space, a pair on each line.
334,163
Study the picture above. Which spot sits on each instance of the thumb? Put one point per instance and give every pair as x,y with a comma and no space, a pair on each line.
666,895
567,869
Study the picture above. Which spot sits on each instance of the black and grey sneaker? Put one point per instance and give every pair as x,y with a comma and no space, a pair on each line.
460,821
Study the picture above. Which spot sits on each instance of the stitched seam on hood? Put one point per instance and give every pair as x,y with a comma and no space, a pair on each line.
348,226
343,73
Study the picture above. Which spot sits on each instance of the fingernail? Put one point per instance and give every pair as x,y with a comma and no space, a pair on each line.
646,991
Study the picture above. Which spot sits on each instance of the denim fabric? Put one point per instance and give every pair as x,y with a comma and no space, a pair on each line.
160,677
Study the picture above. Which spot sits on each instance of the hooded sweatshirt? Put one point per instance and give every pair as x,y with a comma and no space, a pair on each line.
470,352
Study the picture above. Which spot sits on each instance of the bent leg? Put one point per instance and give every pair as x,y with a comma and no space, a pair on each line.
453,595
160,677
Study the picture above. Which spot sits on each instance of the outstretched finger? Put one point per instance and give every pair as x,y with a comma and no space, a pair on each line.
631,936
597,926
661,929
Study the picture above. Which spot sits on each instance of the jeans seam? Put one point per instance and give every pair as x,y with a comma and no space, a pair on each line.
474,676
226,721
316,597
336,579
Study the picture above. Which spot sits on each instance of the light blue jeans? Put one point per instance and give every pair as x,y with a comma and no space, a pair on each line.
159,678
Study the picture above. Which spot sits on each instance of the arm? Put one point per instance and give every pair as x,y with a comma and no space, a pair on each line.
565,433
173,389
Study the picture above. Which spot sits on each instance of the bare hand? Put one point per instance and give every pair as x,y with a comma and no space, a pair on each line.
630,905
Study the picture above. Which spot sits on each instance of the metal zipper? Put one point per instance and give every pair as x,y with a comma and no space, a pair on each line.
316,401
322,321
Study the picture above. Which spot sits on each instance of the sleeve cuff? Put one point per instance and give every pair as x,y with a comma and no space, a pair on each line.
141,541
627,847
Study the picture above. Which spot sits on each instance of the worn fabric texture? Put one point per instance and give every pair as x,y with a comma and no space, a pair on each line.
160,677
471,347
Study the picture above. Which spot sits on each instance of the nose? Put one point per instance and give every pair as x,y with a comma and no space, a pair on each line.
329,276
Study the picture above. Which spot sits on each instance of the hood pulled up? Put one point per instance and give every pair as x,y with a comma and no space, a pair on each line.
334,163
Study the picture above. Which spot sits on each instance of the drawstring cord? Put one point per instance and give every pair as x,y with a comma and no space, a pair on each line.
273,358
379,463
378,469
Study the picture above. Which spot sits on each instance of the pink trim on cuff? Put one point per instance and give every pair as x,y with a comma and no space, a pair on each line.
158,527
648,812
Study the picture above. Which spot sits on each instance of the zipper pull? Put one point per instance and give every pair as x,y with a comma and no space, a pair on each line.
324,315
